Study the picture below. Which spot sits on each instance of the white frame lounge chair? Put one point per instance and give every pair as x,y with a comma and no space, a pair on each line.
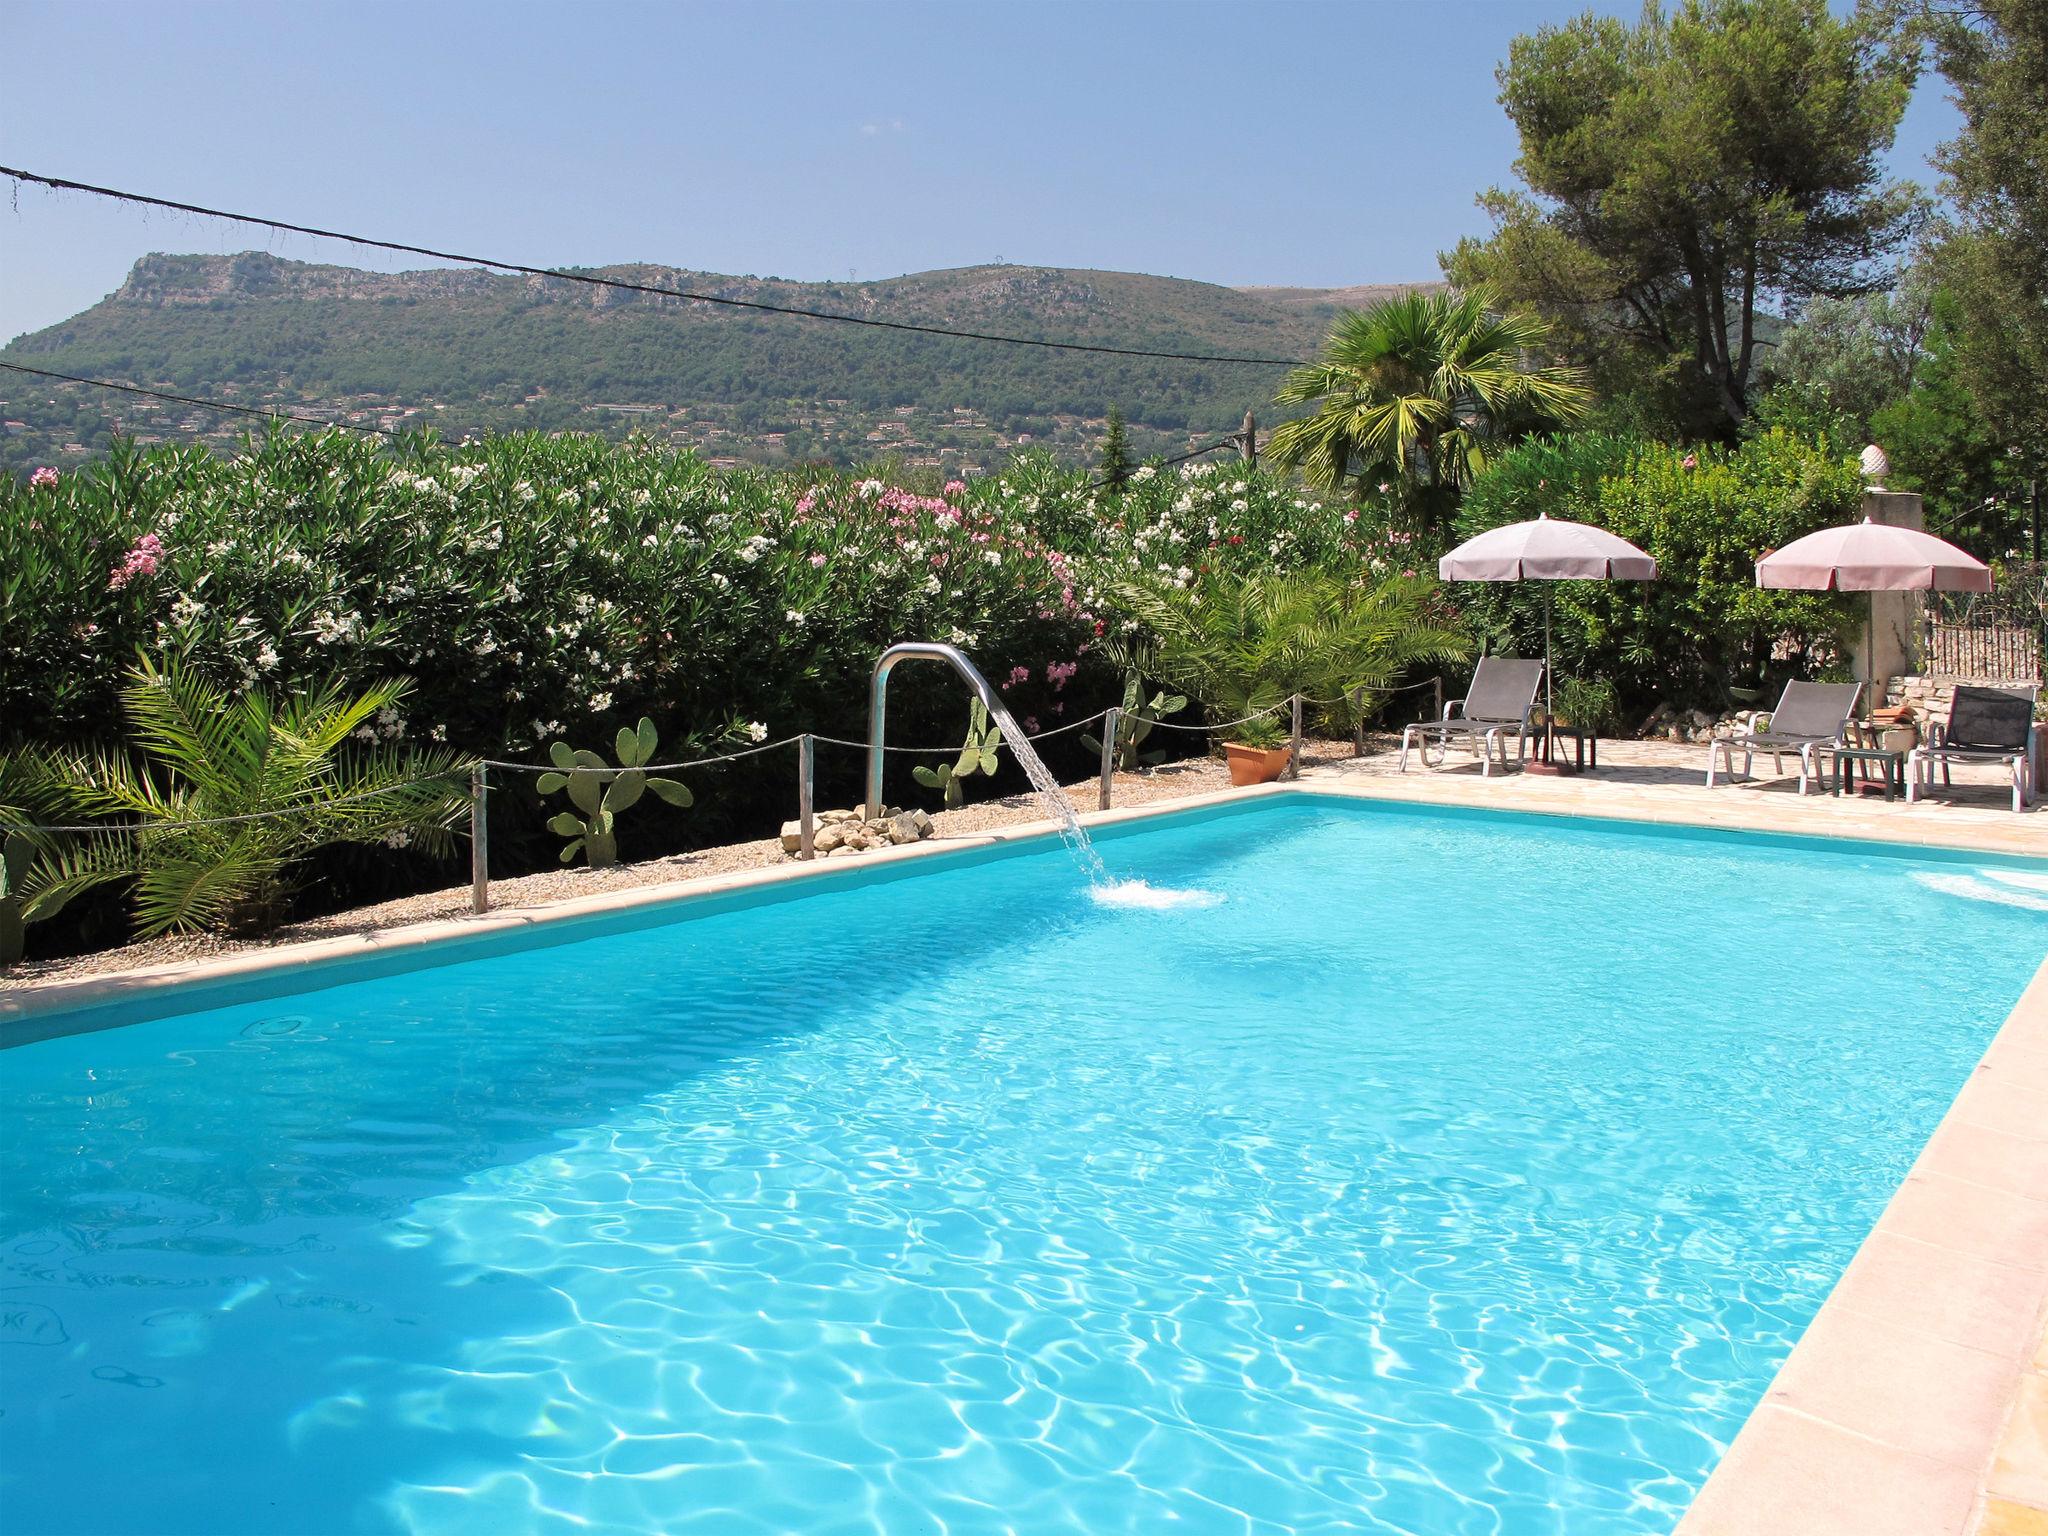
1981,728
1498,703
1811,720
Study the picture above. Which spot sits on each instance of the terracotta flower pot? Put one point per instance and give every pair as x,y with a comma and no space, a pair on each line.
1254,765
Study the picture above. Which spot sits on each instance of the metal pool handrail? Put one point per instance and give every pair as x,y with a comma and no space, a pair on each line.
878,699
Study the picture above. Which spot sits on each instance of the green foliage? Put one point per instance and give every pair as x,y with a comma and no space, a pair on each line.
1707,516
29,856
1240,644
476,353
539,588
977,755
600,792
1417,390
1590,703
1942,445
1847,360
1116,454
1688,177
288,768
1995,54
1267,733
555,588
1134,721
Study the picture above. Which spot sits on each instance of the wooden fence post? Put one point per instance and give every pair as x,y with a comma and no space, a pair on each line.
1110,721
806,828
479,839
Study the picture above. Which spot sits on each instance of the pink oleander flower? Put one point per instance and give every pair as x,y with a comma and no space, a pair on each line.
1031,725
42,477
1017,675
1690,461
955,488
1060,673
817,560
142,560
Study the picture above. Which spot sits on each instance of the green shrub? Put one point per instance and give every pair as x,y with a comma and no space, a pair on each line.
547,587
1706,514
229,794
1242,644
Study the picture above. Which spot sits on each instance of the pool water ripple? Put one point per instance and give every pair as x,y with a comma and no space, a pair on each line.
1452,1175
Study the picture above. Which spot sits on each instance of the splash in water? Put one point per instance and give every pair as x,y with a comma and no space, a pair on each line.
1138,893
2009,888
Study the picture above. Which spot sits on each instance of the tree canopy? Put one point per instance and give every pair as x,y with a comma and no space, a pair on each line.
1995,259
1691,178
1416,389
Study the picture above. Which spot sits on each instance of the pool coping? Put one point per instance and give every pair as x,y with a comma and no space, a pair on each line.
1915,1403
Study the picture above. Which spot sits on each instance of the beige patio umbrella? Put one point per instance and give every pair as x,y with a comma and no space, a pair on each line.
1547,549
1872,557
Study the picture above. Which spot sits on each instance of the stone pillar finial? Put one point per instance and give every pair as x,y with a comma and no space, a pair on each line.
1875,466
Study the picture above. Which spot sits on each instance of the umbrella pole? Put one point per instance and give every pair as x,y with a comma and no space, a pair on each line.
1548,763
1546,665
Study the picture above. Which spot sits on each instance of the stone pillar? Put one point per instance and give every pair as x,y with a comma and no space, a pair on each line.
1891,645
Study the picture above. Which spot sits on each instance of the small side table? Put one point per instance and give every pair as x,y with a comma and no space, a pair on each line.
1850,761
1585,745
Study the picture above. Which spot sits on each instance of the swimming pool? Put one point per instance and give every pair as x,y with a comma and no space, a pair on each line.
1459,1172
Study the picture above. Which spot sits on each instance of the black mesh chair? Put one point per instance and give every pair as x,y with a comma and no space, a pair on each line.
1985,725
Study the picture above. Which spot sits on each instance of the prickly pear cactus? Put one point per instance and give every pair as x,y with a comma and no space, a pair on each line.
977,755
599,792
1134,723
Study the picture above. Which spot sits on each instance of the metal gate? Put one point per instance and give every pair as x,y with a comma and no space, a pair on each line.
1990,637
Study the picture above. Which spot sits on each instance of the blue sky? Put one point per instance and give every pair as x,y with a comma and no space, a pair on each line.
1291,143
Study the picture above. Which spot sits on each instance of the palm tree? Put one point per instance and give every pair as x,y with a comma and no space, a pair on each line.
229,794
1415,390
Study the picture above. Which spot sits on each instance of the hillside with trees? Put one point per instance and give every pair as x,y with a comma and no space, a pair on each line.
468,351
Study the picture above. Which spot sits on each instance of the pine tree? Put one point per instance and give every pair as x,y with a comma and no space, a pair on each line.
1116,456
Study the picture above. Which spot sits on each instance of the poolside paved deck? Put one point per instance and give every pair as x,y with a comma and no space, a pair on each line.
1665,781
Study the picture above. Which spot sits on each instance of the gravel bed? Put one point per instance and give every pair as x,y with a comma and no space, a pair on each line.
1172,781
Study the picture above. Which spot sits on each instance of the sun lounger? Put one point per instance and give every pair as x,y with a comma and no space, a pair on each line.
1495,707
1985,725
1811,720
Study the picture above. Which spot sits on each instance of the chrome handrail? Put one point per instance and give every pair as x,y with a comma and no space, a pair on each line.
878,700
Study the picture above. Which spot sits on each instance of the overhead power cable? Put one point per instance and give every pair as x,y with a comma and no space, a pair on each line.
210,405
62,184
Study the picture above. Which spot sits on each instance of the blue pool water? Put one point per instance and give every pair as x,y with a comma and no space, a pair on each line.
1457,1173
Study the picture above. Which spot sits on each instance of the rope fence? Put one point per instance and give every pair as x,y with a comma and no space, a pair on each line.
479,771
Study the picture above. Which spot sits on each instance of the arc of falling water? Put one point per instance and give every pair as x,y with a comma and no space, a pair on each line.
1051,798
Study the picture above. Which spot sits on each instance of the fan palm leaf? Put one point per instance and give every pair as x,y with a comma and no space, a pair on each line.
1243,644
228,794
1417,388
